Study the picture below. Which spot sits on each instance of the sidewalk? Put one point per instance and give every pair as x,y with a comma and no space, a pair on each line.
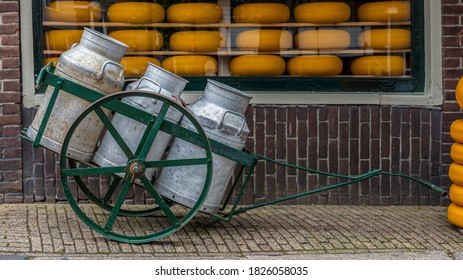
49,231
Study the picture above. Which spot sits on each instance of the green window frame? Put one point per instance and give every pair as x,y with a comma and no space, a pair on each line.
412,83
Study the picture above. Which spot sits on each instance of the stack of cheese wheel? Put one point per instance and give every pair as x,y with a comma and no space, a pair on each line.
261,13
194,41
257,65
455,210
136,12
61,40
139,39
322,39
73,11
322,12
384,11
261,40
314,65
191,65
378,65
194,13
383,39
136,65
264,40
197,41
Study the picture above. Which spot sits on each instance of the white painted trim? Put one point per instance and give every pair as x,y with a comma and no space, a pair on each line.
30,99
432,95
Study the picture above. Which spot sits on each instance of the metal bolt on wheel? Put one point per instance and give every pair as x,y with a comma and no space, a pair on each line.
133,223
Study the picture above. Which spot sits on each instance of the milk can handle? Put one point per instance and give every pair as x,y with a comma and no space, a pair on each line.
219,126
150,81
100,75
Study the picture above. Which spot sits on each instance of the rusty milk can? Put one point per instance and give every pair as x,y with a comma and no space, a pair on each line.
157,80
220,111
93,63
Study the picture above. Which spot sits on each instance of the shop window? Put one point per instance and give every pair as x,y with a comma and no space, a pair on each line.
259,46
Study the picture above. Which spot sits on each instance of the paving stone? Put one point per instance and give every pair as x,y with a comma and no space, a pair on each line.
54,231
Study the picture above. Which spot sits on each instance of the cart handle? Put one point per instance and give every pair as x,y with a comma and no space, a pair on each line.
220,125
100,75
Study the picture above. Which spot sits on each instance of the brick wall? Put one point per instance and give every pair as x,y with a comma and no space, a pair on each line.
340,139
452,48
10,100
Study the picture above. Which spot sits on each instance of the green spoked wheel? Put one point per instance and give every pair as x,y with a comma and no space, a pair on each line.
112,215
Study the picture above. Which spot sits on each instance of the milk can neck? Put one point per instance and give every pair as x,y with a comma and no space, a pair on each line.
226,97
103,45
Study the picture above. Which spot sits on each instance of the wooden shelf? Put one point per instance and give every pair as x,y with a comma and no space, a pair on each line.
246,52
220,25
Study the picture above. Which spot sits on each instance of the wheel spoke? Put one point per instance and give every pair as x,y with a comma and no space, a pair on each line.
150,133
128,179
93,171
176,162
111,189
160,201
113,131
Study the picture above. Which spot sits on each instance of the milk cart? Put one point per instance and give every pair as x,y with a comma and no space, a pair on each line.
111,216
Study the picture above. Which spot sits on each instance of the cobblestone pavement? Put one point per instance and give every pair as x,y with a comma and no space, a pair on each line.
53,231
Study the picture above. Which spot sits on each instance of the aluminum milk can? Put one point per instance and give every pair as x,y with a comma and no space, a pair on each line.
157,80
93,63
220,112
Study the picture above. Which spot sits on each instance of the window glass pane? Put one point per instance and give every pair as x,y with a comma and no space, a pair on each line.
292,45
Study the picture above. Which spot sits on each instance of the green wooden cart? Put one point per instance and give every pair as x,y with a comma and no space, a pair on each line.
110,215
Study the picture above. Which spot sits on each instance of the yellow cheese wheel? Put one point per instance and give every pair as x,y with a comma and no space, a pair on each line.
455,215
378,65
257,65
314,65
322,12
324,39
385,39
456,173
136,12
459,93
194,13
136,65
191,65
456,130
47,60
139,40
456,152
61,40
456,194
384,11
261,13
72,11
197,41
264,40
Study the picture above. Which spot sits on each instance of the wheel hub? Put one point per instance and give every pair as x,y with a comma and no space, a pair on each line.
136,168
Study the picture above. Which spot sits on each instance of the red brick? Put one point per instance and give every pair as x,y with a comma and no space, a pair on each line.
10,40
9,51
9,6
9,86
10,18
10,164
9,29
12,153
9,109
5,120
10,130
9,74
10,97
